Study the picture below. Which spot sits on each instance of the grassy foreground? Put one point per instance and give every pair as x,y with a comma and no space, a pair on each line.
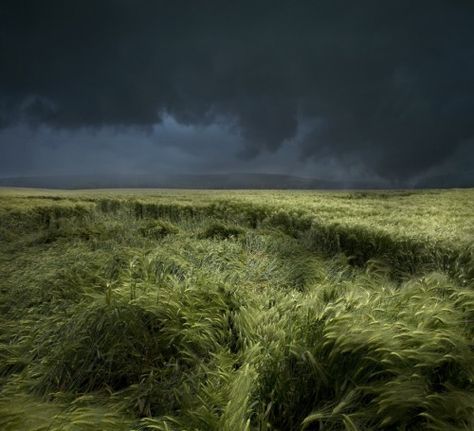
180,310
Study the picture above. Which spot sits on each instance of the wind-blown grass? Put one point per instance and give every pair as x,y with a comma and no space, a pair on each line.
235,312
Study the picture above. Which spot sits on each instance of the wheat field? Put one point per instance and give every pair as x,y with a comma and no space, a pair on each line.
236,310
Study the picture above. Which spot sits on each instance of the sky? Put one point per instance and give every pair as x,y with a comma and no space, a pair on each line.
338,90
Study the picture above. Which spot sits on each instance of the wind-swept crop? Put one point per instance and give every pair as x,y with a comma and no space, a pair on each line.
245,311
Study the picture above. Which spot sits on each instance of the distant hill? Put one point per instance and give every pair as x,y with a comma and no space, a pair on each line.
214,181
459,180
218,181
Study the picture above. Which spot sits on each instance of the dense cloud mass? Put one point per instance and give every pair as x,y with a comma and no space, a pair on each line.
382,88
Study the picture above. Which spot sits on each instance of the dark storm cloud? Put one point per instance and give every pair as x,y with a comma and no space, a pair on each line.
387,86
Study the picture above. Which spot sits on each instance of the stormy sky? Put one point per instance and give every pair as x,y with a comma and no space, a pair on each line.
345,90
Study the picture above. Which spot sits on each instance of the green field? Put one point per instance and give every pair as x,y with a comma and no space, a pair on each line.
236,310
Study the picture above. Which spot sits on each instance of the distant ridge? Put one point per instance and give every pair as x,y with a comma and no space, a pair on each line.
219,181
208,181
